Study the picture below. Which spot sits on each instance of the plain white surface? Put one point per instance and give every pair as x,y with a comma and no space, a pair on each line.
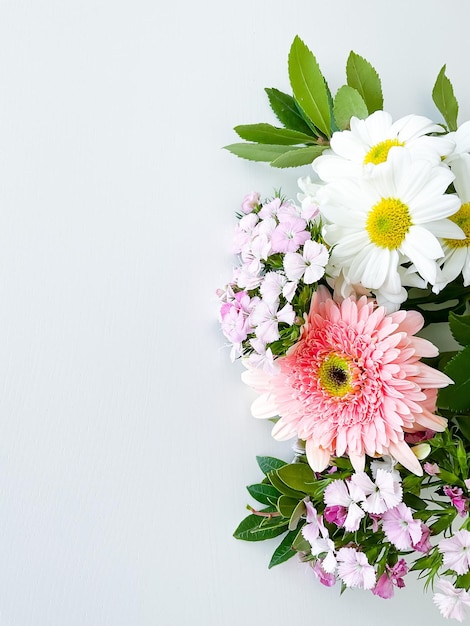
125,435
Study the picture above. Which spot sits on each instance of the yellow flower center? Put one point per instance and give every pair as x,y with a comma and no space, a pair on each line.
335,375
462,219
388,223
379,153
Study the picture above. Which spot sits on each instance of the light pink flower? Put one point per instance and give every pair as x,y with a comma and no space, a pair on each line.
432,469
266,318
382,495
345,495
424,544
392,577
456,551
327,579
354,569
452,602
400,527
250,201
310,265
455,494
289,234
353,384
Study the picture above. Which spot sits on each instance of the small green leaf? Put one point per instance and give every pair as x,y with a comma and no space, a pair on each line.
256,151
297,515
348,103
253,528
448,477
444,522
460,328
300,544
298,476
266,494
445,100
463,581
308,85
269,463
286,111
268,134
414,502
363,77
298,156
456,397
284,551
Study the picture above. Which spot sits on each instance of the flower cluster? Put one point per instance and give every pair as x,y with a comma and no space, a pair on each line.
326,307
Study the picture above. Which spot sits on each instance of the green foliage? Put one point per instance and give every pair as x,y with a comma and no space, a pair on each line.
265,133
308,85
287,111
364,79
284,551
348,102
264,493
445,100
460,328
298,156
259,528
456,397
269,463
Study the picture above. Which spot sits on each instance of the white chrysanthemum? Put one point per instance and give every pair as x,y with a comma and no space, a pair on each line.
457,251
369,142
376,224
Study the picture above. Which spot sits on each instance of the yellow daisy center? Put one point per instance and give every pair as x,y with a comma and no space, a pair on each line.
379,153
335,375
388,223
462,219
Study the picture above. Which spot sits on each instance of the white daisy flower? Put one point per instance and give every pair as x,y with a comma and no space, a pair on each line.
369,142
378,223
457,251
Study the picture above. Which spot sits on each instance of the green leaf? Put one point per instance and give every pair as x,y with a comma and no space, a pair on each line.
445,100
463,422
348,102
286,111
456,397
463,581
414,502
444,522
256,151
266,494
286,505
300,544
269,463
283,488
268,134
308,85
297,515
448,477
298,476
284,551
363,77
253,528
298,156
460,328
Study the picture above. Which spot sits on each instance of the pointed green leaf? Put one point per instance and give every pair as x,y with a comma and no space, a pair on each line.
363,77
256,151
445,100
348,102
460,328
286,111
283,488
266,133
413,501
284,551
296,157
269,463
456,397
463,422
253,528
300,544
264,493
308,85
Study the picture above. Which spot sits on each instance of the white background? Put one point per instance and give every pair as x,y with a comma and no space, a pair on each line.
126,440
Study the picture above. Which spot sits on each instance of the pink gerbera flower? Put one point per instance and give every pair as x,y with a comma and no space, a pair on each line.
353,384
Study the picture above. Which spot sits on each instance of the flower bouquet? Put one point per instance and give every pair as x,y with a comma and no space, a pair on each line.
331,298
